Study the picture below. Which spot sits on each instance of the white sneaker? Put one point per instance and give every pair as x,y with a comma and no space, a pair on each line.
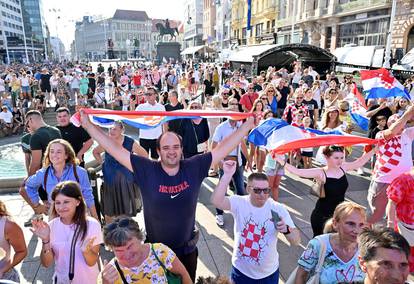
360,171
219,220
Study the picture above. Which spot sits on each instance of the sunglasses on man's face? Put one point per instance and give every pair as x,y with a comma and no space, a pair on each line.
258,190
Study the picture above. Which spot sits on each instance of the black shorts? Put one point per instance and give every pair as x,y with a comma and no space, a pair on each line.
45,89
150,144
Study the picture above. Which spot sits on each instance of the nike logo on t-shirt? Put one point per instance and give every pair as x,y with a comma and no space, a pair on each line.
174,196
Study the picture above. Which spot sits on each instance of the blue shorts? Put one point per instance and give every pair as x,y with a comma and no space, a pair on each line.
25,89
239,278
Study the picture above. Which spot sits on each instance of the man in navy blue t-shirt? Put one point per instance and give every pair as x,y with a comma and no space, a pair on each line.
170,187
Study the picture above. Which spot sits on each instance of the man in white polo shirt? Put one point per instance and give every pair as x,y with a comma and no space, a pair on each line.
148,137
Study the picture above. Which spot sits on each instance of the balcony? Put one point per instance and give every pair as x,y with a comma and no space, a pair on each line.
271,11
353,6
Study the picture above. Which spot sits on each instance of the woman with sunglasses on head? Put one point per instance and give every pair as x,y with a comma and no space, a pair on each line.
139,262
333,175
71,240
272,97
338,247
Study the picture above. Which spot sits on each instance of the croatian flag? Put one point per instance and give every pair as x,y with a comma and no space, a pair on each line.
280,137
150,119
358,108
381,84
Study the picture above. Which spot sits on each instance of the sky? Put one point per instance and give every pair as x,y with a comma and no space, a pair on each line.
73,10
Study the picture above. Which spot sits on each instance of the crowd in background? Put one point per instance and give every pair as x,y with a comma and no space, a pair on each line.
149,173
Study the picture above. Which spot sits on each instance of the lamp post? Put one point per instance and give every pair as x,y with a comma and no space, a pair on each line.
106,38
57,17
387,57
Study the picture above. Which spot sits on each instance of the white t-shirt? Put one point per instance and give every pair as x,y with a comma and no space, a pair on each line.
224,130
255,236
60,240
393,156
6,116
152,133
24,81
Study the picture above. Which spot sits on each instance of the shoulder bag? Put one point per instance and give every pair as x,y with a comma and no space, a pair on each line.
171,277
318,187
314,278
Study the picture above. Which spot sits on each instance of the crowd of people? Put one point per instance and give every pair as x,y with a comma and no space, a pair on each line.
162,172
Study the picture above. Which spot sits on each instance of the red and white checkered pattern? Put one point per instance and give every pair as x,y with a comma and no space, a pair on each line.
249,241
387,85
389,155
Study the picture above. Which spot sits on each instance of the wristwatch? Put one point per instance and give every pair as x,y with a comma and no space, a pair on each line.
287,230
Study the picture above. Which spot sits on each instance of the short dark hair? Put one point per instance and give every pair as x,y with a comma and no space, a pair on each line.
152,89
381,237
158,142
33,112
120,235
257,176
63,109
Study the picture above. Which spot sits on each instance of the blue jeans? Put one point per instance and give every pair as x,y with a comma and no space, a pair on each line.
239,278
238,182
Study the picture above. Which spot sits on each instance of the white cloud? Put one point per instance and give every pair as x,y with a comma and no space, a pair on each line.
73,10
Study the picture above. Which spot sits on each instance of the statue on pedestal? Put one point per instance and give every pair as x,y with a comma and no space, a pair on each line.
166,30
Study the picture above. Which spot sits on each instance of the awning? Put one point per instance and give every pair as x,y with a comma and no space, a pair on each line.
246,54
200,48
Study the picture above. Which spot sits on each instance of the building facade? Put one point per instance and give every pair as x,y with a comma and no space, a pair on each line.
209,22
12,32
35,29
58,49
223,24
403,30
333,23
262,22
193,23
126,28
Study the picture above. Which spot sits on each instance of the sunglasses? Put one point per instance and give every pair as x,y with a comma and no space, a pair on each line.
195,107
122,223
234,104
345,109
149,94
258,190
270,91
336,148
264,99
300,98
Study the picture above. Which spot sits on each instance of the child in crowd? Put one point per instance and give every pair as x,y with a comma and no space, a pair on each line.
307,153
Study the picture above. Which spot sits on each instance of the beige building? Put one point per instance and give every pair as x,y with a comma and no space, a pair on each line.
403,30
264,14
209,22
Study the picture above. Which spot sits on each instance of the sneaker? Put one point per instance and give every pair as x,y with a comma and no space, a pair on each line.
360,171
219,220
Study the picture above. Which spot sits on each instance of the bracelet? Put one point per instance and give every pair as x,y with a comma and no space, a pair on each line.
45,243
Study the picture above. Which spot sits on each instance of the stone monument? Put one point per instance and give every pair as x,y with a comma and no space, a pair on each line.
167,50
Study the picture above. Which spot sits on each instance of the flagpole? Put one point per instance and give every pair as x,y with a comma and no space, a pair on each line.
387,57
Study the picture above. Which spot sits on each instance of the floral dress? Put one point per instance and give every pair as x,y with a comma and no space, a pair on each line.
150,271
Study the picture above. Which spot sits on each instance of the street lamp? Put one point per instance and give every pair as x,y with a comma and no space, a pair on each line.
57,17
106,38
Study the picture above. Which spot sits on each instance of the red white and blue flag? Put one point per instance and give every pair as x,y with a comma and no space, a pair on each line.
358,108
280,137
150,119
381,84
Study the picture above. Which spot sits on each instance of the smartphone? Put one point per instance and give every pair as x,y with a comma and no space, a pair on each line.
275,217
